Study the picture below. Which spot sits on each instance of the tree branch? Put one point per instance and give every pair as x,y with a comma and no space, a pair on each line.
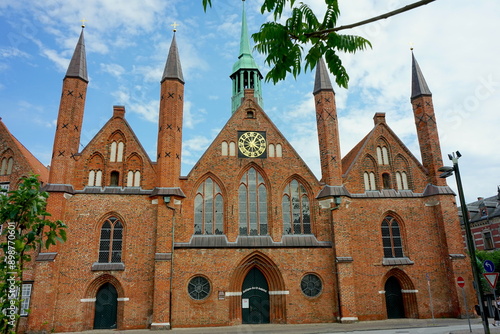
373,19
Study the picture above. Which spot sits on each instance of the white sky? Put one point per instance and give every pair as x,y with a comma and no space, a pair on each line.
455,43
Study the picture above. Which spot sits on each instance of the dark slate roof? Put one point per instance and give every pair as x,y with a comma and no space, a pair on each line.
418,85
322,80
492,205
78,65
173,69
220,241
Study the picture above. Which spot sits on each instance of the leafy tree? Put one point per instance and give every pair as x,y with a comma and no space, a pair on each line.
284,43
25,229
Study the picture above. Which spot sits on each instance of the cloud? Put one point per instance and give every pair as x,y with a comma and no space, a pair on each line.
113,69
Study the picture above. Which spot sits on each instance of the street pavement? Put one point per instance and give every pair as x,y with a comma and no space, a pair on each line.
391,326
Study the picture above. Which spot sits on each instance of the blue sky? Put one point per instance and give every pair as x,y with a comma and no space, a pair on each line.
127,44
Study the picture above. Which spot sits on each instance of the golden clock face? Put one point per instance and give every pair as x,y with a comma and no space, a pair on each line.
252,144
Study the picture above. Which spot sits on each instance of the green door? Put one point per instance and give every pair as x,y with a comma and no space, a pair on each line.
394,299
105,307
255,298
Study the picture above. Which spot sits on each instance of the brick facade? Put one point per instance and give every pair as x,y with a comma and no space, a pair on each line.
321,246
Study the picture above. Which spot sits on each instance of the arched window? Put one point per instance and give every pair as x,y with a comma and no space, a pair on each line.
252,197
116,153
369,181
110,244
3,170
379,155
296,211
208,209
95,178
133,178
115,176
224,149
401,180
10,163
232,149
391,238
279,151
386,179
270,150
385,155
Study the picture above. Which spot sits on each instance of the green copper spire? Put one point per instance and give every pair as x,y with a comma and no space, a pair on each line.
246,74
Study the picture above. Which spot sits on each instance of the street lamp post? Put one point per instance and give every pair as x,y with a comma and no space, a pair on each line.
448,171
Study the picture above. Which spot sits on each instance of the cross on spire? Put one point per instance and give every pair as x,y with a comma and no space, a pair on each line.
175,25
83,22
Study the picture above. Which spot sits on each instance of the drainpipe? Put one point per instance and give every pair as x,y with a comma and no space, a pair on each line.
337,200
167,199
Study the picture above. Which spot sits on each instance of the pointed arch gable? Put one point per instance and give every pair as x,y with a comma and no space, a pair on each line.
134,161
259,169
214,178
274,280
117,135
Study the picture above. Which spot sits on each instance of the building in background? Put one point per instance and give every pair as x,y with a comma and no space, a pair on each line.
484,218
250,235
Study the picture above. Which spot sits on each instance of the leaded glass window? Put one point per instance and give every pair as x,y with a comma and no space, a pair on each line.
208,209
110,245
252,197
296,211
311,285
391,238
199,288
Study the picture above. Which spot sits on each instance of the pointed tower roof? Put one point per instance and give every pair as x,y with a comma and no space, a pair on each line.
78,65
322,81
245,59
173,69
418,85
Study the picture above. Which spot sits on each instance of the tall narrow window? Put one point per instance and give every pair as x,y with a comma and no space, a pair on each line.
369,181
224,149
115,176
391,238
296,212
252,197
3,170
385,155
95,178
116,152
386,178
270,150
379,155
10,164
488,240
25,296
208,209
279,151
110,245
112,154
232,149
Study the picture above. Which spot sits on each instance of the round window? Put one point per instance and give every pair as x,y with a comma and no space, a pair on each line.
311,285
199,288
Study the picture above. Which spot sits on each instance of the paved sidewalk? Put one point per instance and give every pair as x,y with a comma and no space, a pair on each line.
318,328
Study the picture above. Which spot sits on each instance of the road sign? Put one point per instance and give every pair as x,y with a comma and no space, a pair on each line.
492,278
488,266
460,281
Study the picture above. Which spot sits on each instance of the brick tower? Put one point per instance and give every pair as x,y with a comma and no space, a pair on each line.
425,120
70,117
328,132
170,122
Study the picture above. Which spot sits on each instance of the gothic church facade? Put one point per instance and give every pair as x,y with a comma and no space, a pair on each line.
250,235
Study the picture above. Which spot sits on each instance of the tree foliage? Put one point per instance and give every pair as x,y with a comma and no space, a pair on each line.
305,38
23,216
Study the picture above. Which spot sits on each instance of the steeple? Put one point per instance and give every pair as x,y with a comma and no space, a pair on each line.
418,85
425,121
70,117
328,130
173,68
170,121
78,65
246,74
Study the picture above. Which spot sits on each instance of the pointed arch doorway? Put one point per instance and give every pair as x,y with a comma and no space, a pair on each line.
394,299
106,307
255,298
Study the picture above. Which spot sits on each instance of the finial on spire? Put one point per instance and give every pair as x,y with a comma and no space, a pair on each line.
83,22
411,46
175,25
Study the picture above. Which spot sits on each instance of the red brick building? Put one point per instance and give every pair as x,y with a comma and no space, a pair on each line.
250,235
